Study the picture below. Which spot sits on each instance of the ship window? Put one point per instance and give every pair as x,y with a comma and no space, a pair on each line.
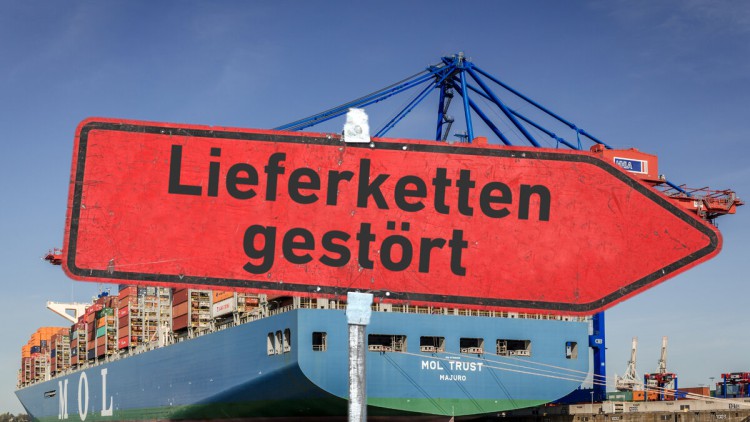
319,341
287,340
270,345
432,344
571,350
278,343
471,345
386,343
507,347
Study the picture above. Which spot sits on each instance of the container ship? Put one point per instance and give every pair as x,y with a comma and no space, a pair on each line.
154,353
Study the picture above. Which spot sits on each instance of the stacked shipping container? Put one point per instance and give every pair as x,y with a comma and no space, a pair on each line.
142,313
226,304
136,316
60,354
106,332
36,356
89,321
191,309
78,342
129,320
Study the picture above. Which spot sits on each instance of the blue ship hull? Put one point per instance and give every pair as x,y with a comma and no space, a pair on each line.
240,373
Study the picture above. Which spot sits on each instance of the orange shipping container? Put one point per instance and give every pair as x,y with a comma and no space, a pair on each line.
638,395
43,336
220,295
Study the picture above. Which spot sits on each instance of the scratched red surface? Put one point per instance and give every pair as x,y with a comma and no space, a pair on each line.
605,240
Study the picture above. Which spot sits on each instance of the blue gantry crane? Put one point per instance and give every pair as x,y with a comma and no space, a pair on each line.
482,96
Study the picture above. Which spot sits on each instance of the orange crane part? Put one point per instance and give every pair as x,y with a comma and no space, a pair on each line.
54,256
706,203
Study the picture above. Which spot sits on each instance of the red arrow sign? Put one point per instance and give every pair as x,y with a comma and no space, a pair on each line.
519,228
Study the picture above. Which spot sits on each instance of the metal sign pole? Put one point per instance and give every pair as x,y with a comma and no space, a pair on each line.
358,314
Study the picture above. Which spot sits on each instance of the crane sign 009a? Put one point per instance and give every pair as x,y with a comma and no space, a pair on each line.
426,222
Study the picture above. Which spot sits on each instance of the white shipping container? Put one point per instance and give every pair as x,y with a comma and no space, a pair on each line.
224,307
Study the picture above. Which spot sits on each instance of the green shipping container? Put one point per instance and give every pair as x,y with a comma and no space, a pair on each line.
101,331
105,311
620,396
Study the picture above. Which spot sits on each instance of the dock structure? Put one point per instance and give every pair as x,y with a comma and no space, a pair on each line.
735,410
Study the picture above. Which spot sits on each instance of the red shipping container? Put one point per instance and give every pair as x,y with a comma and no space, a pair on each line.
253,301
700,391
179,310
179,322
93,308
128,291
74,360
123,342
123,312
123,322
101,340
179,296
100,350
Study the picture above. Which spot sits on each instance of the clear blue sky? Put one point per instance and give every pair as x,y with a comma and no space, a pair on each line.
671,78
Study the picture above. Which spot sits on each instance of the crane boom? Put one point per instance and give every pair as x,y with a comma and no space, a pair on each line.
663,358
629,381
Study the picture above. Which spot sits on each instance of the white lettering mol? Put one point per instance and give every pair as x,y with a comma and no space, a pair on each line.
83,409
432,365
105,411
62,403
